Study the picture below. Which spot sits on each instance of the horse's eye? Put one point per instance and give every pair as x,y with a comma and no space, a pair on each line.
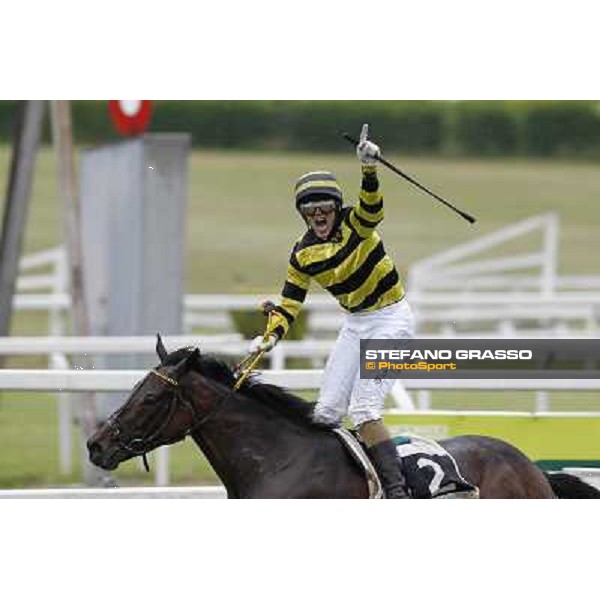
152,398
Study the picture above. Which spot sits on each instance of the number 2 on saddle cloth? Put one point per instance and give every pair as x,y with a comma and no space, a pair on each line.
430,471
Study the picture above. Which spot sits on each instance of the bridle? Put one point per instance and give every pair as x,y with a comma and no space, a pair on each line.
140,446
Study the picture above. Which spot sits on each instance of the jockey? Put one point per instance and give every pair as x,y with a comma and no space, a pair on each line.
343,252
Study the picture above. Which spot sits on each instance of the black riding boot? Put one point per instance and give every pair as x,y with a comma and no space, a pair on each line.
386,461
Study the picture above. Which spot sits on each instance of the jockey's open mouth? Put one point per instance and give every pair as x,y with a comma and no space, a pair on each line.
321,225
320,217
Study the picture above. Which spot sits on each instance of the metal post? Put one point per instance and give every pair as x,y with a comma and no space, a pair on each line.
63,142
17,203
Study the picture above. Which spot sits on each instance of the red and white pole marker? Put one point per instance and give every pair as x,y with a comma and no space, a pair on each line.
130,117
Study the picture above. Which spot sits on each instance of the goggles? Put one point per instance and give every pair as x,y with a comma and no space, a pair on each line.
310,209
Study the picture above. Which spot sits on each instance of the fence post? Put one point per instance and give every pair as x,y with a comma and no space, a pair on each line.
162,466
424,400
65,414
278,357
550,265
542,401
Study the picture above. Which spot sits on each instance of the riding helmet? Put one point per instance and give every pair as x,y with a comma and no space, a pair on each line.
317,185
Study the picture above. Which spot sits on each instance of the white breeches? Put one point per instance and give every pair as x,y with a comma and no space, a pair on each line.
343,392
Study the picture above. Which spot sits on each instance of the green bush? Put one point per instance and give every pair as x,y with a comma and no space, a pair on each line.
402,126
538,128
251,323
92,123
561,128
299,125
8,119
223,124
485,128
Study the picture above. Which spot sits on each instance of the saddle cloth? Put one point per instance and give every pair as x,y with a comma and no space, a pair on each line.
430,471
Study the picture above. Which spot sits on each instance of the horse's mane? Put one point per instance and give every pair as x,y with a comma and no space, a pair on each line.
273,396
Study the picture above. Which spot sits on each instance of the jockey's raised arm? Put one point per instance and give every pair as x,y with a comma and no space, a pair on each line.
342,251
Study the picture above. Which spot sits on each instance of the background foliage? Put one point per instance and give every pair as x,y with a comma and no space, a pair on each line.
463,128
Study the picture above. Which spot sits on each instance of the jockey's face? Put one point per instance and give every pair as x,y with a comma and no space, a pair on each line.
320,217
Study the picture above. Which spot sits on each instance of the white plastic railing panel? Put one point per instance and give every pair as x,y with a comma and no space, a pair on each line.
299,379
204,493
225,343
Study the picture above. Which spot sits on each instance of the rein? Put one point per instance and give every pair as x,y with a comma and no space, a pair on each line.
140,446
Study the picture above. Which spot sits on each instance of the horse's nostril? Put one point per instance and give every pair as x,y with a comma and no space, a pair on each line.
93,448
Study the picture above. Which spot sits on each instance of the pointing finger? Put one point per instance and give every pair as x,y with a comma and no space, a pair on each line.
364,133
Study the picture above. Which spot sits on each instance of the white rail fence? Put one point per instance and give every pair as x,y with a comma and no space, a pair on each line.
451,292
461,268
216,492
73,380
494,314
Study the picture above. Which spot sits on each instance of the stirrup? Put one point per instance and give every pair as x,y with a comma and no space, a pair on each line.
400,493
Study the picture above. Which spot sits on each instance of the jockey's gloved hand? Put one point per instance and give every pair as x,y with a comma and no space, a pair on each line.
262,344
366,150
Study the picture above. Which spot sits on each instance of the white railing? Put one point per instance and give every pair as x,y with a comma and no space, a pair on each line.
574,313
453,289
145,344
74,380
462,268
140,493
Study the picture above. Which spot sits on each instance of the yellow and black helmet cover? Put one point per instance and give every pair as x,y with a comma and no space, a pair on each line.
317,185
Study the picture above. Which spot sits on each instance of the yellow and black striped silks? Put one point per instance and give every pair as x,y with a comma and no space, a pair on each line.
351,264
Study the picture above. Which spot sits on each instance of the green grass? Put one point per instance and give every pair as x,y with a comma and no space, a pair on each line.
29,454
243,217
241,224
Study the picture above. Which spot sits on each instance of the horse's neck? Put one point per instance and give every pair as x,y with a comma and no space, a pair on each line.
244,443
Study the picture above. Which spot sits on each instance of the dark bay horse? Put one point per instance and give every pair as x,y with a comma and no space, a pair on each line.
262,443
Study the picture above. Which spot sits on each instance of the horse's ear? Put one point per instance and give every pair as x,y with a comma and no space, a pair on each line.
160,349
193,357
186,364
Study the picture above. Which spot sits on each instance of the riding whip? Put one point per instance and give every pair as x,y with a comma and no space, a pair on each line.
410,179
247,365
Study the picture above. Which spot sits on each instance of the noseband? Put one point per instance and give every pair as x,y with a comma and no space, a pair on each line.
140,446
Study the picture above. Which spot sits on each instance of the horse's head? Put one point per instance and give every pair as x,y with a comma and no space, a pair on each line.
158,412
